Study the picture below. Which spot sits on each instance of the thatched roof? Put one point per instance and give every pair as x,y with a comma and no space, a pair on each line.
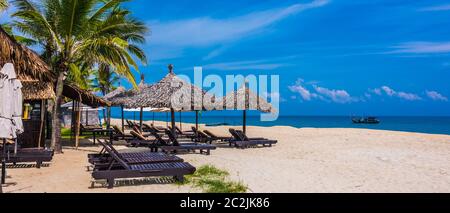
28,64
245,99
37,90
122,97
171,92
84,96
115,93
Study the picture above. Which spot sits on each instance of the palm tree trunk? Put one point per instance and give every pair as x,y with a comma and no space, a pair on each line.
56,122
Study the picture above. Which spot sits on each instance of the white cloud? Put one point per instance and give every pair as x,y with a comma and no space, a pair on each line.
399,94
215,53
246,65
388,90
376,91
205,31
300,89
321,93
200,32
337,96
421,48
436,96
443,7
408,96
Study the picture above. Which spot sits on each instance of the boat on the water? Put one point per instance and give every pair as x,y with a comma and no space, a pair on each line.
368,120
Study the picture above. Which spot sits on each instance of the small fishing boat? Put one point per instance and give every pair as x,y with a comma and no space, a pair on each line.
368,120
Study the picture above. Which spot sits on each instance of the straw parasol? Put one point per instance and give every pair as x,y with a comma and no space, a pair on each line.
164,95
244,99
125,99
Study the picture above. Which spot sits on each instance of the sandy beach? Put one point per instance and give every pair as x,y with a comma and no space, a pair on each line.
304,160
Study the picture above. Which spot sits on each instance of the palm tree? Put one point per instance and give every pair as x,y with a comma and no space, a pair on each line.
76,34
3,5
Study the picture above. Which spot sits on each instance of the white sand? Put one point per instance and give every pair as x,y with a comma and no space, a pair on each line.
304,160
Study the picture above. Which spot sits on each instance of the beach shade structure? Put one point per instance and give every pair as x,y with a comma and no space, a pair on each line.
113,97
10,109
173,93
246,100
123,98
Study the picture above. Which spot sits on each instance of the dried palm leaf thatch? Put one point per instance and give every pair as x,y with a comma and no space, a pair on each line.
245,99
28,65
84,96
174,93
37,90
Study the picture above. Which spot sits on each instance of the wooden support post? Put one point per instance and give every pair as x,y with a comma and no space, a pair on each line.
244,122
172,116
196,119
181,125
141,115
77,126
123,122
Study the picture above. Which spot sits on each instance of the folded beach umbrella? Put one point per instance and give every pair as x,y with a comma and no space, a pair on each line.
16,99
7,128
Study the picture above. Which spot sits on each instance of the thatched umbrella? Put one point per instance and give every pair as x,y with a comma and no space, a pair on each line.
127,99
115,101
165,93
244,99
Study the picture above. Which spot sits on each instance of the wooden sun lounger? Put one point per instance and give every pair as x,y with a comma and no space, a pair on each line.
29,155
130,124
177,146
217,138
180,134
241,141
126,170
201,137
104,159
118,134
88,129
140,140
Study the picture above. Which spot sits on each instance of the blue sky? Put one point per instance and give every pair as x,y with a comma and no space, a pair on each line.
334,57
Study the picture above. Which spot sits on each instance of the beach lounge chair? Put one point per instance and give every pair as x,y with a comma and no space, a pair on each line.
187,134
218,138
118,134
173,145
158,128
130,124
29,155
104,159
242,141
89,129
127,170
140,140
201,137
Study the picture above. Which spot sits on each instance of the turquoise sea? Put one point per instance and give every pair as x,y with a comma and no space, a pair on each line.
432,125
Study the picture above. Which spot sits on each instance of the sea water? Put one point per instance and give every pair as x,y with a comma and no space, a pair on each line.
432,125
